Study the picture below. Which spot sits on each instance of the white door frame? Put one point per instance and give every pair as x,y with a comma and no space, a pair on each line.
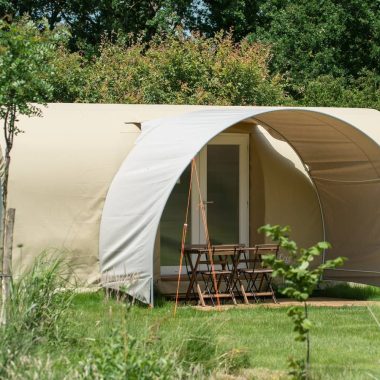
197,228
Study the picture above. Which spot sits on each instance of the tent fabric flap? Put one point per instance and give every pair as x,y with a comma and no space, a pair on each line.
140,189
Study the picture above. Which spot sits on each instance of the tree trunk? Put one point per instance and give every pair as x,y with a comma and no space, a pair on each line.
7,263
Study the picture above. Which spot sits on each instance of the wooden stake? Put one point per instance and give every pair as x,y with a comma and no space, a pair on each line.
7,262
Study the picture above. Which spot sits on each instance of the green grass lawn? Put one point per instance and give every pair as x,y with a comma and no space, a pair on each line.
345,341
66,335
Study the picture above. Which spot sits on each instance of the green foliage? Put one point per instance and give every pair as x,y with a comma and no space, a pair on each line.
27,367
128,352
25,69
39,300
176,70
327,91
70,75
89,21
322,53
331,37
240,17
38,310
297,369
124,357
300,279
349,291
302,324
257,333
200,348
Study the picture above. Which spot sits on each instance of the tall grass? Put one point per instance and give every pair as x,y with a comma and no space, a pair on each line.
131,351
40,320
123,356
37,311
201,347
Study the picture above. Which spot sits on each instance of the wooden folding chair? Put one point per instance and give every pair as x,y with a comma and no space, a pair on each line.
194,259
221,273
257,277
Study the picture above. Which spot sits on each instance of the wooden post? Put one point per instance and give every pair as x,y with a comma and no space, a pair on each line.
7,262
200,295
2,223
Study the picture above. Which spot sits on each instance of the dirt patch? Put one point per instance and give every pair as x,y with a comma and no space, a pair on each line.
252,374
285,302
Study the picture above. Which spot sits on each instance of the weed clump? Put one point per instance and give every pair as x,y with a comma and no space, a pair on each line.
123,356
37,311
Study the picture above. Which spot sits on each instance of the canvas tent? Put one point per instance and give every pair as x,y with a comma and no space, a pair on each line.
83,166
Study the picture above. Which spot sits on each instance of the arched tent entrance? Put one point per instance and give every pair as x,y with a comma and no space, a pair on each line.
339,147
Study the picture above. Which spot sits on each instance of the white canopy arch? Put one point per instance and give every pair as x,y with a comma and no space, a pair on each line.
340,148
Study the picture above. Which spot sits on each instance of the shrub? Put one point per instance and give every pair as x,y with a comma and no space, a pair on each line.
329,91
70,75
178,69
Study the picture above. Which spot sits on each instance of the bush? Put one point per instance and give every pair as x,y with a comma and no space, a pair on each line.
328,91
178,69
69,77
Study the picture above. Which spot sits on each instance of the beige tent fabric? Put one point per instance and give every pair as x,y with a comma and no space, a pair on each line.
344,162
61,169
288,196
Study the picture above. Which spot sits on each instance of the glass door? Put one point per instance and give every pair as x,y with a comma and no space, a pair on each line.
223,172
224,181
223,193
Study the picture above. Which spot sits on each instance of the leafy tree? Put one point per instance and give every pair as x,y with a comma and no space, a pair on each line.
25,71
211,16
90,20
314,38
300,280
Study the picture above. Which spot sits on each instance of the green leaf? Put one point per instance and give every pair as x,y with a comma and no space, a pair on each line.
307,324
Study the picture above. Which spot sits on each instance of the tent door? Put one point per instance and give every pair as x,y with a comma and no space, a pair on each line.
223,169
224,180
